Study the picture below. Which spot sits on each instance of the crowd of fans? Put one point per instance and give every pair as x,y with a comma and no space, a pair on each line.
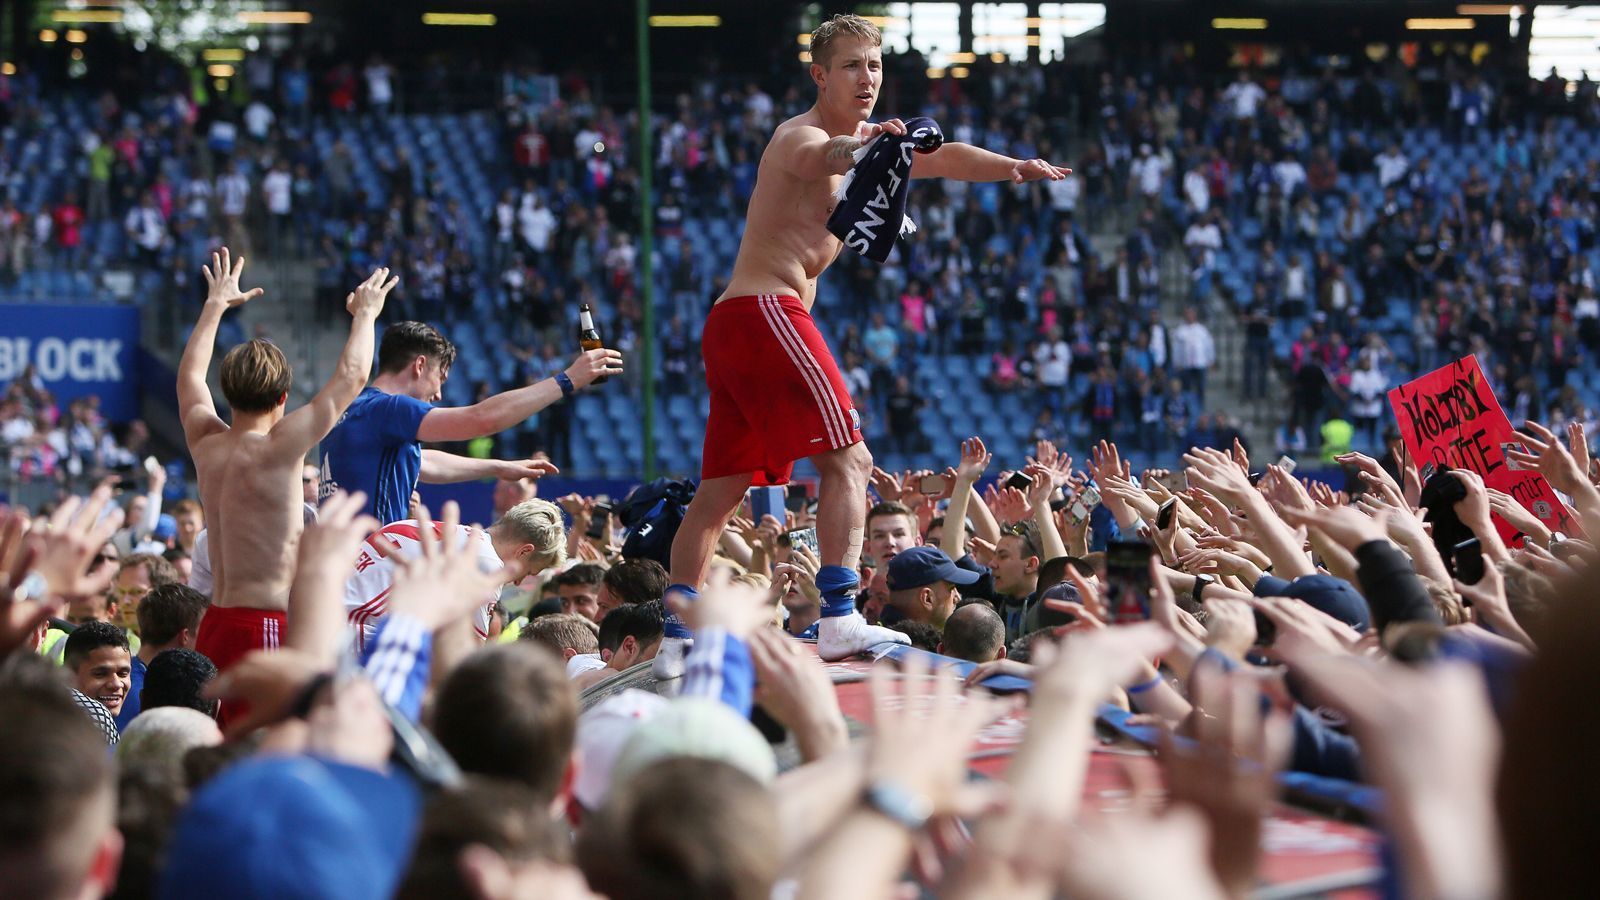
1416,631
488,778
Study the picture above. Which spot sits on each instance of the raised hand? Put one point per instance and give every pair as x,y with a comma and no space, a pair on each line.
1367,468
1516,515
739,608
975,460
794,688
1550,458
1012,506
222,281
1344,526
886,484
801,571
1230,628
369,296
922,745
75,533
1217,473
443,582
1229,772
268,682
1303,630
592,364
1578,445
1430,741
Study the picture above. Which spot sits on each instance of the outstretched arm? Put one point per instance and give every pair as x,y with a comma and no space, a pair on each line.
965,162
439,467
196,410
496,414
304,427
808,153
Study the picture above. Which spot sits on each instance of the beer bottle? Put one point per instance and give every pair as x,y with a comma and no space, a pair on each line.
589,336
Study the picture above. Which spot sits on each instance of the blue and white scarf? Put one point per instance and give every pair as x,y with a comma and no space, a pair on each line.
874,191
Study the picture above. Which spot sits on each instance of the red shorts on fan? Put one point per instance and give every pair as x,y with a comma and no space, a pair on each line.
776,393
229,633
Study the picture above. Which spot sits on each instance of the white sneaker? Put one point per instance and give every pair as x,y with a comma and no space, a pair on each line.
670,659
841,637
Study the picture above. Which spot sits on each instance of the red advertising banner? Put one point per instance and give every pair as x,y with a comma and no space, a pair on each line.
1449,418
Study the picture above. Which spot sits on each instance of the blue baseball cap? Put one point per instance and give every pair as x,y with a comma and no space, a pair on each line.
166,528
294,827
1331,595
922,566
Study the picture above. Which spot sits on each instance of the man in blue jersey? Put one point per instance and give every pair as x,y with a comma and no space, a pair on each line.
377,445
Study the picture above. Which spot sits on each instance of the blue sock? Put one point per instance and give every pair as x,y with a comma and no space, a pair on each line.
673,627
838,586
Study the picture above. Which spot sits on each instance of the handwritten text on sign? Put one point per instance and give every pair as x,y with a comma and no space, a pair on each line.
1449,418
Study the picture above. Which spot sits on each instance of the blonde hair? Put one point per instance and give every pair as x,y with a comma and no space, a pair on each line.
563,631
840,26
255,376
1446,602
538,522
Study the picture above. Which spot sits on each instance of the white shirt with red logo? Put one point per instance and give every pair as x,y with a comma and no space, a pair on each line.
366,593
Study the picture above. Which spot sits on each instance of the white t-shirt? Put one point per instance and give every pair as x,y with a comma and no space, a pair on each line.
366,593
258,119
583,662
1149,172
536,223
1054,362
1064,193
278,189
379,88
1391,168
1197,191
234,192
1245,96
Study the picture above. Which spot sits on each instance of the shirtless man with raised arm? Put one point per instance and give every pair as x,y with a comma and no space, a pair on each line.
250,472
776,393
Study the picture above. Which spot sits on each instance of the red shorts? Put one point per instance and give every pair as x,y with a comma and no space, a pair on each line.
229,633
776,393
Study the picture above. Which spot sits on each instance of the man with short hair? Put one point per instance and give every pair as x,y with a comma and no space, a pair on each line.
1016,573
377,446
178,677
891,528
169,618
579,589
629,635
59,836
777,395
924,585
573,638
137,575
529,538
631,581
190,521
509,711
975,633
247,470
96,658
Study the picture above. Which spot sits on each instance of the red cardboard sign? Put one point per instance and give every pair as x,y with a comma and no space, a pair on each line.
1449,418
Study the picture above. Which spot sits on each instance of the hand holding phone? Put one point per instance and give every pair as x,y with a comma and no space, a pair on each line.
1164,514
932,485
1128,581
1020,480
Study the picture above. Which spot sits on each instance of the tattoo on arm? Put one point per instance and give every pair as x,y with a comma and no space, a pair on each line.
842,146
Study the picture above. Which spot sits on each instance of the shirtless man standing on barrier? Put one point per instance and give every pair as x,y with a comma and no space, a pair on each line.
776,392
250,472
